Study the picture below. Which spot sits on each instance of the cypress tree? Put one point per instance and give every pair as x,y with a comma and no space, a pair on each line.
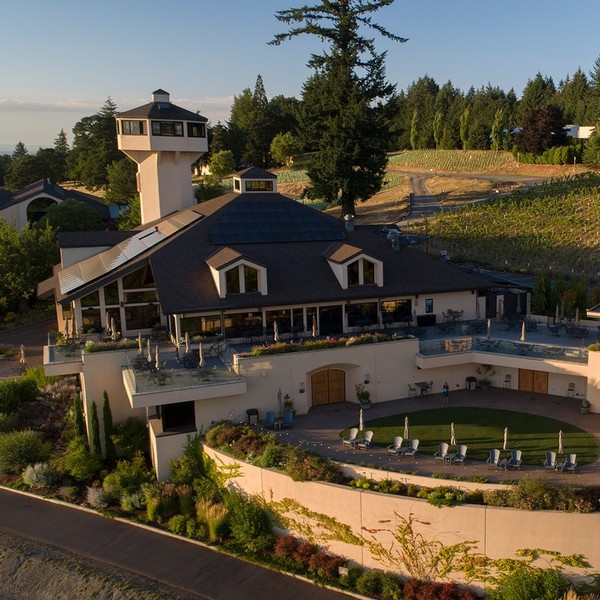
78,421
95,447
109,446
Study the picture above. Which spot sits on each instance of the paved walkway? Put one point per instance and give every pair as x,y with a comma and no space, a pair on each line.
319,431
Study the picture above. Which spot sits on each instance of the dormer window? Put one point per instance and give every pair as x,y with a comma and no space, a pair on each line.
361,272
241,280
234,274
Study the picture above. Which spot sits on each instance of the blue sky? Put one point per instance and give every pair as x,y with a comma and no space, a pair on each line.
62,59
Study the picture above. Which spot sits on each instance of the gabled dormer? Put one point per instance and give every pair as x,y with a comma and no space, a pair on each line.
353,266
254,179
233,273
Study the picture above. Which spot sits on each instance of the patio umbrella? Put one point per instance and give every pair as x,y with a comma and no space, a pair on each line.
200,356
113,329
557,314
560,442
156,359
22,360
140,347
275,331
149,356
279,401
489,328
361,423
187,342
577,316
406,434
75,328
314,327
452,435
108,323
523,332
505,442
66,328
562,309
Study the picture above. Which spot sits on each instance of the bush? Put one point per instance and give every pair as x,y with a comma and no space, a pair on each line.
39,475
285,546
15,391
214,516
303,553
415,589
370,584
128,477
325,565
133,501
21,448
97,498
191,464
249,524
130,437
178,524
161,501
306,466
78,461
531,584
8,422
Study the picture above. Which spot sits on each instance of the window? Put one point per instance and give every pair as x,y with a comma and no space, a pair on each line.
259,186
167,128
133,127
368,272
428,305
232,281
250,279
139,297
140,279
353,273
197,130
236,185
361,272
92,299
180,415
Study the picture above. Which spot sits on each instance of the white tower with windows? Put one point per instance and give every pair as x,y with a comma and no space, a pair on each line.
164,140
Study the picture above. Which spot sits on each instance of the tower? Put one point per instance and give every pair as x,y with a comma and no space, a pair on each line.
164,140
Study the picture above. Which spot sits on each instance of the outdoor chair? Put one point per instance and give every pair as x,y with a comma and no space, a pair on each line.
514,462
269,419
412,390
550,462
460,455
442,452
395,446
570,462
351,439
411,450
365,443
288,418
493,459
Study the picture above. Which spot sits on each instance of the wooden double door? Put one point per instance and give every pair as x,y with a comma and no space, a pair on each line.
328,387
533,381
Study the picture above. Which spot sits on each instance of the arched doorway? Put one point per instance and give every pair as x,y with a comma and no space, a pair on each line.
328,387
37,208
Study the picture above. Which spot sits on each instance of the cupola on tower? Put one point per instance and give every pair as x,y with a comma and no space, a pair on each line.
164,140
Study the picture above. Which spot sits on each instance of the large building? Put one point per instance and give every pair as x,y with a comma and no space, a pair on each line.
252,266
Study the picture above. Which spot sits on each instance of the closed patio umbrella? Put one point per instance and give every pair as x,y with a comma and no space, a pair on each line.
113,329
67,328
560,442
275,331
505,442
109,329
22,360
149,351
187,342
406,434
577,316
523,338
489,328
156,359
452,435
557,314
279,401
140,347
361,423
200,356
314,327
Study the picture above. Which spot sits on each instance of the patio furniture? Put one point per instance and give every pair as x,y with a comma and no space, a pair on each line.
442,452
507,381
554,329
570,462
351,439
252,413
493,459
424,386
269,420
514,462
460,455
395,446
412,391
365,443
411,450
550,461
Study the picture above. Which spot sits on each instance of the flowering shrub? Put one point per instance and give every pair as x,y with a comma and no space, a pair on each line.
250,444
362,393
306,466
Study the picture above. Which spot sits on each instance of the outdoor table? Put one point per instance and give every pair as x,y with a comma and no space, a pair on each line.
559,468
503,464
450,457
278,423
423,386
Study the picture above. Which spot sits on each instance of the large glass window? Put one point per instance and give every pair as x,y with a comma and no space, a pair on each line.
250,279
141,317
283,318
362,315
197,130
167,128
90,317
180,415
133,127
92,299
138,297
429,305
111,293
397,311
259,186
142,278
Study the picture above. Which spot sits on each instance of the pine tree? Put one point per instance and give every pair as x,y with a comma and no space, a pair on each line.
95,446
109,446
348,92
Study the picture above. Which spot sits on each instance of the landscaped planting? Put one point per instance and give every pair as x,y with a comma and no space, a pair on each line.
474,161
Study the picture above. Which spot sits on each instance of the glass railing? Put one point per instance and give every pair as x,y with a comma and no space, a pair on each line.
497,346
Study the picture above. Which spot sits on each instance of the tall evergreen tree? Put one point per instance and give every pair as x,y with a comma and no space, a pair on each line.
19,151
543,128
350,164
593,115
109,447
464,128
95,444
78,422
538,92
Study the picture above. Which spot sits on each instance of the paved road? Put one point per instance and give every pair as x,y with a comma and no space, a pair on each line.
199,571
34,336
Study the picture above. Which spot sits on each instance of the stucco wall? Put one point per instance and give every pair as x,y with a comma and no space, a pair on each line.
496,532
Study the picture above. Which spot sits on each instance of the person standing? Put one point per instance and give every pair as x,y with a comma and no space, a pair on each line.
445,392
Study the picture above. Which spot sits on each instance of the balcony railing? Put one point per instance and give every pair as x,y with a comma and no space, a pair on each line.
499,346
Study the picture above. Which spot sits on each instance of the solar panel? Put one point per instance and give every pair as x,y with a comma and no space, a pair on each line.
100,264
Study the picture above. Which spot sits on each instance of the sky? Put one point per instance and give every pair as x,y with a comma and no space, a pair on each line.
63,59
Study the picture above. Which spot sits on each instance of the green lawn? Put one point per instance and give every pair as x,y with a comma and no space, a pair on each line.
482,429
